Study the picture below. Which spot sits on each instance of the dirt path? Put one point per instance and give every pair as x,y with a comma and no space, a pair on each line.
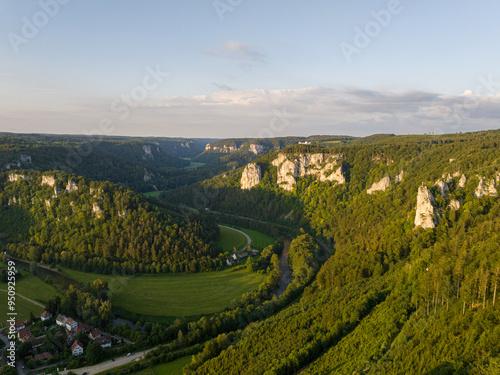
26,298
286,273
249,240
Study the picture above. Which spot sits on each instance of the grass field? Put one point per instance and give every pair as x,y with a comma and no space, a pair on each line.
171,368
34,288
164,297
194,165
185,295
259,240
23,308
229,239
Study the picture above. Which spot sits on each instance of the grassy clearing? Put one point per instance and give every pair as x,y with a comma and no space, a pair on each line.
185,295
259,240
194,165
23,308
171,368
34,288
229,239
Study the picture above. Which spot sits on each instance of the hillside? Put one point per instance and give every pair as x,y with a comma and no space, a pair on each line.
66,219
412,285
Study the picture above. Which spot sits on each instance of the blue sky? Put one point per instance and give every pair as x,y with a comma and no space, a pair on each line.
75,66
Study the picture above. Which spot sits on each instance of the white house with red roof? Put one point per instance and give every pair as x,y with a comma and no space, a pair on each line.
77,348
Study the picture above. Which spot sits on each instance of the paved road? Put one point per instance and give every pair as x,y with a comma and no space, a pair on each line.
249,240
26,298
108,365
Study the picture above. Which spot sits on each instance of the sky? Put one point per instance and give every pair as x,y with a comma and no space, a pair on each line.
249,68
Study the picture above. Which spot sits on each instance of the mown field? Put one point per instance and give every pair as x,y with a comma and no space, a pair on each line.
23,308
259,240
230,239
185,295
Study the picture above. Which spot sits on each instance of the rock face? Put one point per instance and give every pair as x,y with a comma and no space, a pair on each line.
454,204
486,187
251,176
223,149
24,159
399,177
48,180
147,152
462,182
256,149
57,191
71,186
442,186
323,168
96,209
147,175
425,210
14,177
380,186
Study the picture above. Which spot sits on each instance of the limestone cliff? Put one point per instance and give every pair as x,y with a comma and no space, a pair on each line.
324,168
71,186
14,177
424,216
48,180
251,176
486,187
256,149
380,186
442,186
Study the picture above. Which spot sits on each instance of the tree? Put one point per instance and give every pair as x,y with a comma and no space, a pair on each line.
94,352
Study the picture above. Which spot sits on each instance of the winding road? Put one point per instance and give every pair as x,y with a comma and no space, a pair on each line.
249,240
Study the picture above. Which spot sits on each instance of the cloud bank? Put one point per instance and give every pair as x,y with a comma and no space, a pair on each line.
310,110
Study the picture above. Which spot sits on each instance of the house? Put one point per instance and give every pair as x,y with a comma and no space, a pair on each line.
45,316
43,356
61,320
77,348
84,327
105,342
71,324
94,334
19,325
23,332
255,251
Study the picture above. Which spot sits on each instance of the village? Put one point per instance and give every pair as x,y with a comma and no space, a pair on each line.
49,340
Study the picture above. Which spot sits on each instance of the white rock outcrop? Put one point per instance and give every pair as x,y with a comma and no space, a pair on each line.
57,191
48,180
486,187
251,176
424,216
323,168
383,184
223,149
96,209
442,186
462,182
399,177
454,204
71,186
147,152
14,177
147,175
26,159
256,149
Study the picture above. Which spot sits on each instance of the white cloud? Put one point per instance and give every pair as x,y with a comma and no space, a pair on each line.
238,51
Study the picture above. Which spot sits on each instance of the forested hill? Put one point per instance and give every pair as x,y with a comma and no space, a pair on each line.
140,164
54,217
412,285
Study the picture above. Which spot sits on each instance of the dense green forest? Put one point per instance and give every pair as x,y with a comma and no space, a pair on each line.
99,226
394,298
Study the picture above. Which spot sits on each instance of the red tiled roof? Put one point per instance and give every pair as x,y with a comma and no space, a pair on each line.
24,332
75,344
